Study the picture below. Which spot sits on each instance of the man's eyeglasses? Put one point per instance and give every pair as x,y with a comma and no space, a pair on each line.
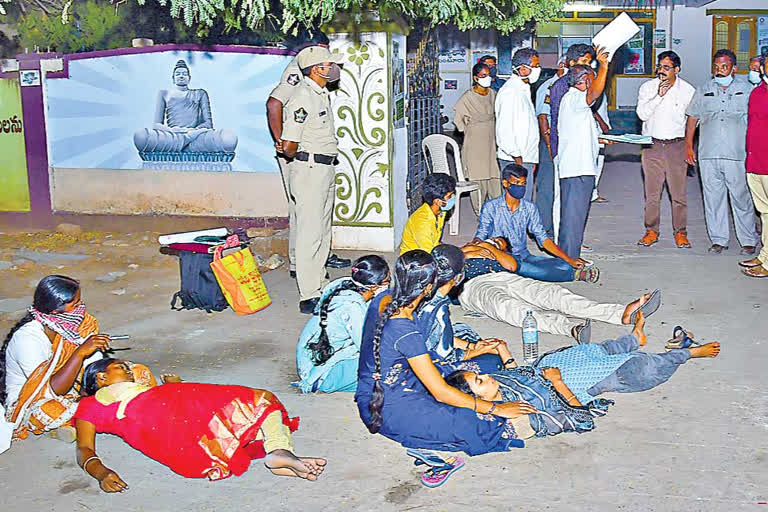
665,67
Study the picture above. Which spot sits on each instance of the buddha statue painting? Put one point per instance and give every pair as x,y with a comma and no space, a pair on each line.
183,126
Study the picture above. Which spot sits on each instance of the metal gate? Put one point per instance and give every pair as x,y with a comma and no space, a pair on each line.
423,111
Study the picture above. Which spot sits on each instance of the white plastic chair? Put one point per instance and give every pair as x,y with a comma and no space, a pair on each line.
437,144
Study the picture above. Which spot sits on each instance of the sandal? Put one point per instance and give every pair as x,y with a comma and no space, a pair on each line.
436,476
680,339
588,274
582,333
757,271
423,457
650,307
754,262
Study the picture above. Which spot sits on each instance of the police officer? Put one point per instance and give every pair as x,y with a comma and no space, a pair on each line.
308,138
720,108
277,99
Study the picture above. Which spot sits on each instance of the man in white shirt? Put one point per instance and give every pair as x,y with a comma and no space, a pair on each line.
578,151
517,132
661,105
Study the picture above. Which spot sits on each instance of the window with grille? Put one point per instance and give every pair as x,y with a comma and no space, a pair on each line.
738,34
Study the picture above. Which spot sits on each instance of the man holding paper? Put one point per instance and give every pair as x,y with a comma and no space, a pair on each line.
578,151
661,105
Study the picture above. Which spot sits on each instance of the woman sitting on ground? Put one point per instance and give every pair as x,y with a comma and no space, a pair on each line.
401,393
456,342
580,373
197,430
329,346
43,357
491,288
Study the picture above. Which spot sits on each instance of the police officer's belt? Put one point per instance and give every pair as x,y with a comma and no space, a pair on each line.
303,156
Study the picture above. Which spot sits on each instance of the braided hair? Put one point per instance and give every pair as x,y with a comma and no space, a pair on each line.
414,272
52,294
367,271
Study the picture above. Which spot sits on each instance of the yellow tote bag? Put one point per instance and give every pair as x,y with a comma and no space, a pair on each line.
240,281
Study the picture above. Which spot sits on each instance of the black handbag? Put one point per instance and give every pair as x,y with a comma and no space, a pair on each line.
199,288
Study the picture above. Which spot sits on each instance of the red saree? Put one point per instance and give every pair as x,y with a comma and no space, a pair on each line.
197,430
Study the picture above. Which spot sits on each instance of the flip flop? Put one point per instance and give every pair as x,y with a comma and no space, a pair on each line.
650,307
435,477
745,264
583,333
680,339
423,457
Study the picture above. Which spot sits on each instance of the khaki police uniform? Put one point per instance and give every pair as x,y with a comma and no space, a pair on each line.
308,121
283,92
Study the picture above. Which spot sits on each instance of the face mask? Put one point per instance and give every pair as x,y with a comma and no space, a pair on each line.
449,204
334,74
493,71
754,77
534,76
724,81
593,64
381,289
516,191
484,82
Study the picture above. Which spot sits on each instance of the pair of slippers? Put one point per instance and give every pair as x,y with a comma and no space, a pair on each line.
439,470
583,333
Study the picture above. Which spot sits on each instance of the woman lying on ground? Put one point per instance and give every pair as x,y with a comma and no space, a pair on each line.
43,357
329,346
401,393
197,430
491,288
580,373
455,342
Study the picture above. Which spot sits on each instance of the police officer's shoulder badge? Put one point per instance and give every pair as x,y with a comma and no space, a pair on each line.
300,115
293,79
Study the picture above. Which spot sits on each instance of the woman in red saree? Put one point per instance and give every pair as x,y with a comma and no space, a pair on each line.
197,430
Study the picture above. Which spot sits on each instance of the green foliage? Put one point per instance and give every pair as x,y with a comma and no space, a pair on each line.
503,15
87,28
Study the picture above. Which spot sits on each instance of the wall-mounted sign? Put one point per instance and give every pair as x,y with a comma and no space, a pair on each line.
29,77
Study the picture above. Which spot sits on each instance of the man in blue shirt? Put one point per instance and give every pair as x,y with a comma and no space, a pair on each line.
512,217
490,61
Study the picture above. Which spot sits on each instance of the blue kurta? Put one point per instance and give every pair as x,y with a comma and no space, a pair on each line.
411,416
346,314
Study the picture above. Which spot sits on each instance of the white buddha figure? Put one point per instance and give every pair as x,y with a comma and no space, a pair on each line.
183,126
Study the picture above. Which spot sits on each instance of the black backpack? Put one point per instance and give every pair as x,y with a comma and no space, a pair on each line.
199,288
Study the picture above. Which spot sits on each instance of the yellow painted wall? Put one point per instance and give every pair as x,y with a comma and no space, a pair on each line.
14,189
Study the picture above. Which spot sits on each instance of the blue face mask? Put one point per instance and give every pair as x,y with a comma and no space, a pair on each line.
724,81
449,204
516,191
493,71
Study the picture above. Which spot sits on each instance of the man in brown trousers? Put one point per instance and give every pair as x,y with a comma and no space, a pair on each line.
661,105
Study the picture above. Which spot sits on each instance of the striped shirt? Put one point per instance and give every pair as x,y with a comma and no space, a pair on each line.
497,220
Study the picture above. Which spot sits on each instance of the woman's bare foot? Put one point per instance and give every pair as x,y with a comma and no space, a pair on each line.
634,306
285,463
638,331
708,350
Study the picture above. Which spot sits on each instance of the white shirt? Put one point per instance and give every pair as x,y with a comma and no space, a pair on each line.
664,116
517,131
576,126
29,348
542,97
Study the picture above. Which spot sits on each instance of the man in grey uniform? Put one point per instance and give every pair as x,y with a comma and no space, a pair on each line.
277,99
719,107
308,139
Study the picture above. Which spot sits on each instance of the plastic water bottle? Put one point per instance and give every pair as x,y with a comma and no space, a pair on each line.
530,338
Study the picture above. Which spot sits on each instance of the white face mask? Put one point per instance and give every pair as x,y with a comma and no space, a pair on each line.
534,76
484,82
754,77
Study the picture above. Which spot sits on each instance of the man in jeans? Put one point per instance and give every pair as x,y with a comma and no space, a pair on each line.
719,107
512,217
661,105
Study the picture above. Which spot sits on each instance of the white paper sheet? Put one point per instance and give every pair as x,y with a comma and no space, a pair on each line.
616,33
